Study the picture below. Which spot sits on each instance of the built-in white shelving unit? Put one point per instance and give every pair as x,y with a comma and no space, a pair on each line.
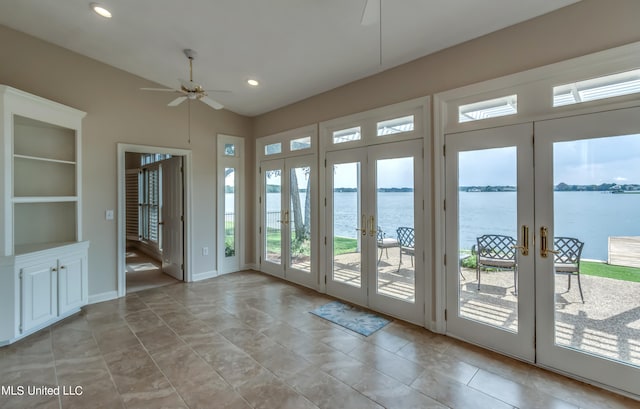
43,273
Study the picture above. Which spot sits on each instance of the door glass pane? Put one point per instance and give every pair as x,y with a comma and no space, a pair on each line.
395,228
229,212
273,217
597,233
300,218
487,230
347,260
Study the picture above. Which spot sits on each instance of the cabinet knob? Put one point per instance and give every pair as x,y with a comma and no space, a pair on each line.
54,269
61,267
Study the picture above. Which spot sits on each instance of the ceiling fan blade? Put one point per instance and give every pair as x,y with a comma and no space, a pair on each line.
176,101
223,91
213,104
160,89
370,13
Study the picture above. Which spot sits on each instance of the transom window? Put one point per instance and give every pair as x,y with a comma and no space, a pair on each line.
273,148
347,135
300,144
608,86
396,125
491,108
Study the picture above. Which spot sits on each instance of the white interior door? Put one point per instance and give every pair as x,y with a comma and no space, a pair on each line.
588,189
489,209
375,246
172,218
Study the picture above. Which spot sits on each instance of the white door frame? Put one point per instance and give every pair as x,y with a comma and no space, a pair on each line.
121,240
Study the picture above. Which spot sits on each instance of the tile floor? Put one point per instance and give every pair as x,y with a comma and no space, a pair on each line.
246,340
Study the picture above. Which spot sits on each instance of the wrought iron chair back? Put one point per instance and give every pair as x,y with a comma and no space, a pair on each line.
567,260
497,251
406,239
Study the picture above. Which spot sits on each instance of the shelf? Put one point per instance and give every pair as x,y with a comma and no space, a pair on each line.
44,159
32,248
45,199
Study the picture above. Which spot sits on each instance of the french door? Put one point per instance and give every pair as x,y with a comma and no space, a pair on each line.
588,188
489,194
288,219
567,305
374,245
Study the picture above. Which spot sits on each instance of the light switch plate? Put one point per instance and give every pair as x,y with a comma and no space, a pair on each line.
108,215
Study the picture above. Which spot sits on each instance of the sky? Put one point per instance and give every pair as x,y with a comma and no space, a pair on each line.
582,162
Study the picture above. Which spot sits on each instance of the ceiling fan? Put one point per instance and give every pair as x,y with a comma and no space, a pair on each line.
189,89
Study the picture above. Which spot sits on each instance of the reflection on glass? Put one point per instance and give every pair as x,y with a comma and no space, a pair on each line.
300,219
487,227
394,230
229,212
597,231
229,149
347,224
273,218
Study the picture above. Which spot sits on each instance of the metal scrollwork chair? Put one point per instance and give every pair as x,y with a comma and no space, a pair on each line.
406,239
385,243
567,259
497,251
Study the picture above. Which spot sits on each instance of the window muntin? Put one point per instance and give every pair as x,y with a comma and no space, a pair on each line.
347,135
608,86
396,125
273,148
300,144
491,108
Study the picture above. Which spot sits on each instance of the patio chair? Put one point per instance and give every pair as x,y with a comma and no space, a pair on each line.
385,243
567,260
406,239
497,251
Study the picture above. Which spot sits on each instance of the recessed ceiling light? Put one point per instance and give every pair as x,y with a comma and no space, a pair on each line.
253,83
101,11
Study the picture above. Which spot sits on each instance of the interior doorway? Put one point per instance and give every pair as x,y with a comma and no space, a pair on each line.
153,217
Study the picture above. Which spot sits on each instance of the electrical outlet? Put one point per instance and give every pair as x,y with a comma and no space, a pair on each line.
205,251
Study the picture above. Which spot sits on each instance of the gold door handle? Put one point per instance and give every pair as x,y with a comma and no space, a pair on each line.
372,231
544,248
286,217
524,248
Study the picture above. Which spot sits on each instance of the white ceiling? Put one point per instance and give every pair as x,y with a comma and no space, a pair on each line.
295,48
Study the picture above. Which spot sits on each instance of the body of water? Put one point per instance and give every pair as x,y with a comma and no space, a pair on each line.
588,216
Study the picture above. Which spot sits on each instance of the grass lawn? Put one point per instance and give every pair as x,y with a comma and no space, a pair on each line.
608,271
591,268
343,245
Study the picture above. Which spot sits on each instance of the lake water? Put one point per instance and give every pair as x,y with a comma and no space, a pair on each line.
589,216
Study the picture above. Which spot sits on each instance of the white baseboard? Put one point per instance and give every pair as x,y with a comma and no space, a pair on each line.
251,266
204,276
106,296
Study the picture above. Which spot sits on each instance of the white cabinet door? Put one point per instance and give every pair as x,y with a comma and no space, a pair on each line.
72,285
39,295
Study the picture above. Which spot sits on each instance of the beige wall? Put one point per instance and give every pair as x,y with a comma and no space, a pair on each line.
118,112
579,29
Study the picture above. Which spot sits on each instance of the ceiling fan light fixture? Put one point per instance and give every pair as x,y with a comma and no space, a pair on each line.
100,10
253,82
